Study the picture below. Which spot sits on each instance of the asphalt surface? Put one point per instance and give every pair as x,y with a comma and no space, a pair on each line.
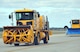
57,43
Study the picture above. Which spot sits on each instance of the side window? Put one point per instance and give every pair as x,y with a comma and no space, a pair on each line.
18,16
75,21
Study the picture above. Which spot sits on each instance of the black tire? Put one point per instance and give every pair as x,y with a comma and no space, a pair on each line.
16,44
36,41
48,37
65,27
45,40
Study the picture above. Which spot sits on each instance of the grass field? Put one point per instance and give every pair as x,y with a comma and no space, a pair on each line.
58,32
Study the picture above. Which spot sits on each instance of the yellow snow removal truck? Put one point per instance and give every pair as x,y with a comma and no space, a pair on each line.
75,27
30,28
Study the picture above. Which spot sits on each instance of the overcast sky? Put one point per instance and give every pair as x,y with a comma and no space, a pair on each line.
58,11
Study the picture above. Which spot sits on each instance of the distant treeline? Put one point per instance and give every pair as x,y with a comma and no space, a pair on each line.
57,28
1,29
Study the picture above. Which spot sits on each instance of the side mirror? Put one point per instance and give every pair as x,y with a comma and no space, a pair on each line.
70,22
10,17
38,14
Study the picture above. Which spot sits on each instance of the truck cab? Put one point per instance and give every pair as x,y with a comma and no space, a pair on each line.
75,23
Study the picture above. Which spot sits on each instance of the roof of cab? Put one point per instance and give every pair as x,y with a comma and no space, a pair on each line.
75,19
24,10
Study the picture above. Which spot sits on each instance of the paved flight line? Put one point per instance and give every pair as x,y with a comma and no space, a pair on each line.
41,45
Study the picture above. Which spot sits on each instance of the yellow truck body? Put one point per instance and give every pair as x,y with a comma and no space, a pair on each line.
30,28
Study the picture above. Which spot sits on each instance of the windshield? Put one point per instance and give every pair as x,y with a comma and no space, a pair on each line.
24,15
75,21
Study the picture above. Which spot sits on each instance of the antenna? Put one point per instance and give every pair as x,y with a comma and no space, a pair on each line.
46,19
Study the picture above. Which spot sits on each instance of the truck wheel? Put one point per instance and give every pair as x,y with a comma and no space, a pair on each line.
16,44
45,40
36,40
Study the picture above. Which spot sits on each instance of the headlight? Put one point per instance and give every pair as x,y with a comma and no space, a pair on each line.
19,23
29,23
